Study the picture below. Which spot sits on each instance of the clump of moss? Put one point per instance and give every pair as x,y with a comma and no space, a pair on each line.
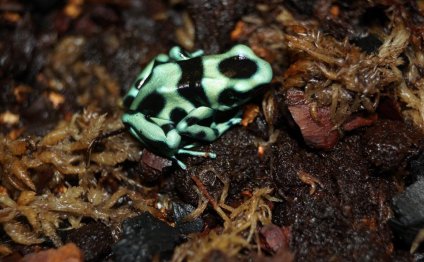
239,231
47,181
339,75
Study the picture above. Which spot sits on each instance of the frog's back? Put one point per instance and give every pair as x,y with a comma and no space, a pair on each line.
172,90
221,82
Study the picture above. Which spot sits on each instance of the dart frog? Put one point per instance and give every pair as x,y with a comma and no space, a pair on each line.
181,98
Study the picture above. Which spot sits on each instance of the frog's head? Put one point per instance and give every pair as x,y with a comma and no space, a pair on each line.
160,138
244,73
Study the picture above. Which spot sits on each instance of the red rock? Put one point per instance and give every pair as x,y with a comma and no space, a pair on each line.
154,161
318,132
359,121
275,238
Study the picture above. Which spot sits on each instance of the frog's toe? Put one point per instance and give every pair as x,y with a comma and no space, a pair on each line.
180,163
189,146
196,153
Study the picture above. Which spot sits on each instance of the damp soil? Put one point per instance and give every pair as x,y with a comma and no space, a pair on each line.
63,58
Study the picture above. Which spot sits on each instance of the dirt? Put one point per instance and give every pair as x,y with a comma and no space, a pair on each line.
60,58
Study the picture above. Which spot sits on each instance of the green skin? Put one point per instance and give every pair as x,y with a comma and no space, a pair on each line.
179,99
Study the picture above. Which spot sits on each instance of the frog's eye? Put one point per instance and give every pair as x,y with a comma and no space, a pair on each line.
239,67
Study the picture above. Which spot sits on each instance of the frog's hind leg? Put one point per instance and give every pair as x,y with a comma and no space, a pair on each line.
200,124
216,129
197,124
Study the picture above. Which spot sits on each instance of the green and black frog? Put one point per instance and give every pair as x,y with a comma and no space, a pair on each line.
182,98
